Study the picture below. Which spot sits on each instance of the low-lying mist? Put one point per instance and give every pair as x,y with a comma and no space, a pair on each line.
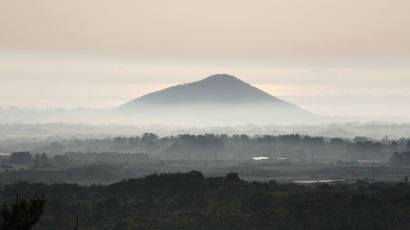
40,131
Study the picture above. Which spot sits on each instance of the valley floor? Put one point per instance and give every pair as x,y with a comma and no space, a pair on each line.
105,173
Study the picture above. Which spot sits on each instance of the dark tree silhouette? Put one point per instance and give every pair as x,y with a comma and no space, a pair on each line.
21,158
23,215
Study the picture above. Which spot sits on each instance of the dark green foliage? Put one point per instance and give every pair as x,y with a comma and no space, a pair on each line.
24,158
232,177
301,148
205,147
400,158
190,201
23,215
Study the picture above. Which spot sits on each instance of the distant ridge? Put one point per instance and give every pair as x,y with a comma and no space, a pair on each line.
220,99
215,89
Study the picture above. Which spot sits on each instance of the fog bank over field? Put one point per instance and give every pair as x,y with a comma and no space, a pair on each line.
83,131
392,107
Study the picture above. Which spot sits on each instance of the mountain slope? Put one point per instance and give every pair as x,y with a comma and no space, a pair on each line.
219,89
220,99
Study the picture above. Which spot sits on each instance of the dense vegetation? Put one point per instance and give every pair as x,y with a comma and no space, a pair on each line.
223,147
190,201
292,157
22,215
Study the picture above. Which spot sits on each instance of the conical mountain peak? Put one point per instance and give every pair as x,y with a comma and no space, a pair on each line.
220,97
222,77
215,89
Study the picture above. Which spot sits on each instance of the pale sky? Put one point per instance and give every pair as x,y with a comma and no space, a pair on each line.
101,53
211,27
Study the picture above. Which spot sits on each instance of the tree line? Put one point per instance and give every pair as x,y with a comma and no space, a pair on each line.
302,148
192,201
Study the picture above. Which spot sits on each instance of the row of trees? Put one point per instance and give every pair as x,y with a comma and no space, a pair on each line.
37,160
73,159
235,147
296,147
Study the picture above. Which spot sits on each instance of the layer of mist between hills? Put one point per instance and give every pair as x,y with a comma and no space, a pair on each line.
33,132
220,100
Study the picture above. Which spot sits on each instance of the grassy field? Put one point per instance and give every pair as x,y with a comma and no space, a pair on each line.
104,173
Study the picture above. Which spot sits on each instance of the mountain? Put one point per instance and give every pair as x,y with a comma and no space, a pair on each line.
219,99
216,89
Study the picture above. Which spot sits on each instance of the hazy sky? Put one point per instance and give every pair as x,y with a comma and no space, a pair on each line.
100,53
212,27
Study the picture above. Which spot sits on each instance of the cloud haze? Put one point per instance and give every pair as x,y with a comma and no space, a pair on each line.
213,27
69,80
101,53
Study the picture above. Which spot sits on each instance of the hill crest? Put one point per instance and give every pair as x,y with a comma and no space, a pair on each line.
217,89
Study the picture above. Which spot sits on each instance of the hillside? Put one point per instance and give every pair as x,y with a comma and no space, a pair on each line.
220,99
218,88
